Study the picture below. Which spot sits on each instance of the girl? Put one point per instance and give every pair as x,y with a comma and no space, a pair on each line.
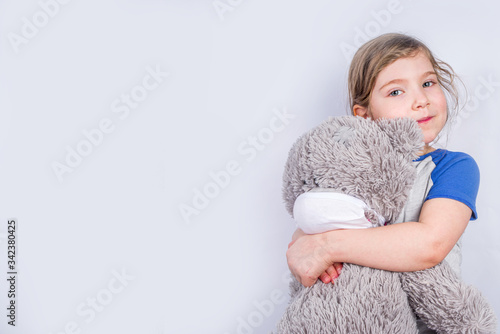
395,75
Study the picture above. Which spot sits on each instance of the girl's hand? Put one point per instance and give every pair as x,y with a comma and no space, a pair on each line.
308,259
331,273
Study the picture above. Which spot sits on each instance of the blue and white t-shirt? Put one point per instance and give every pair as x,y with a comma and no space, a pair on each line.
455,176
443,174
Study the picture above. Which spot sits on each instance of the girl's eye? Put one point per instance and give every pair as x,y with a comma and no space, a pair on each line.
428,84
395,92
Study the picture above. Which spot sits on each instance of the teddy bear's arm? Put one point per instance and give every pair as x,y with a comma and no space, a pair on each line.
445,303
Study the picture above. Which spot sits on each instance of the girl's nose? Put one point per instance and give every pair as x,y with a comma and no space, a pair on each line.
421,100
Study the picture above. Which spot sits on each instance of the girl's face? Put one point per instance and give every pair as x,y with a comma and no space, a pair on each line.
409,88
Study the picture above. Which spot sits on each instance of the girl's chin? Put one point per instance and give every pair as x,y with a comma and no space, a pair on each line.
429,137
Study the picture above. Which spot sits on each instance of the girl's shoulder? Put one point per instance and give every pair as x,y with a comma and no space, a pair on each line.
446,157
453,175
451,167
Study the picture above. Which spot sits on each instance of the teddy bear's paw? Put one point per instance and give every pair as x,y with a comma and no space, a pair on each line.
446,304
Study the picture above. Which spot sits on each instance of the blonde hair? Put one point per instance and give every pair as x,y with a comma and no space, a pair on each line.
372,57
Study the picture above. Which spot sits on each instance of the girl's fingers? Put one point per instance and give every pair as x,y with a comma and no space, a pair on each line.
338,267
332,272
325,278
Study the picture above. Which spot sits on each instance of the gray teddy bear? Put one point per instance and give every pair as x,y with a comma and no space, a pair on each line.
371,161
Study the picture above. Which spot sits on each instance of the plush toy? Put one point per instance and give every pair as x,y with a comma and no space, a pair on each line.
363,169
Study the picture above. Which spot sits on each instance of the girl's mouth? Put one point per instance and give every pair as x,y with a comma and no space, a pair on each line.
424,120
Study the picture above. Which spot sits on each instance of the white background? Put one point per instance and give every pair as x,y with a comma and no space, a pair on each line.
230,71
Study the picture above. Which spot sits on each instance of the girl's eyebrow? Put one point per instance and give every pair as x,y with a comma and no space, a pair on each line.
429,73
397,81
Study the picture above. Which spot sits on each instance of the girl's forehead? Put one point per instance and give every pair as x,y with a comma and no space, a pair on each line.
406,68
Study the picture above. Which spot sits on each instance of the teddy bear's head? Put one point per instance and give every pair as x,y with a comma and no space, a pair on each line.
366,159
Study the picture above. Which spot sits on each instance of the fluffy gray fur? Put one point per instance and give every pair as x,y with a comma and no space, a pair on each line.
372,160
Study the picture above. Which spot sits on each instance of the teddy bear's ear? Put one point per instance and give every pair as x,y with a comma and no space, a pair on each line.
404,133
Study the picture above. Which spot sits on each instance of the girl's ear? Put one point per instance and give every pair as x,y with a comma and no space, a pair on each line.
360,111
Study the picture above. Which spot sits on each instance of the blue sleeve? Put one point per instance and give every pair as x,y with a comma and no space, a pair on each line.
456,177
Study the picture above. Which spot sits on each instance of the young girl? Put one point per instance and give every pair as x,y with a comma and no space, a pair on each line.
395,75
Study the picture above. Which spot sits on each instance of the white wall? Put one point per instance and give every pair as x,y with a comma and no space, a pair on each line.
103,248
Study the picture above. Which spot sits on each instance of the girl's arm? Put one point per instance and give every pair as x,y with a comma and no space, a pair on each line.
408,246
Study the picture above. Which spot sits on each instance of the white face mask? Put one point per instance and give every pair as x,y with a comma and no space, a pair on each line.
320,211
